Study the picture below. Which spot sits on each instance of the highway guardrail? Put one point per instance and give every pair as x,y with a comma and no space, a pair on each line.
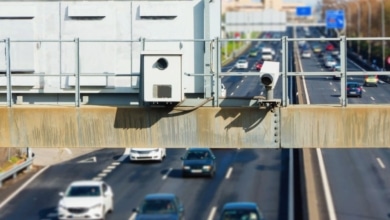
15,170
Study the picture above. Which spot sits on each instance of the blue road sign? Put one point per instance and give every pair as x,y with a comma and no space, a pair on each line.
335,19
303,11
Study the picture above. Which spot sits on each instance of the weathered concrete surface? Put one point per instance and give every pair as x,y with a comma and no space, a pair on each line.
354,126
300,126
99,126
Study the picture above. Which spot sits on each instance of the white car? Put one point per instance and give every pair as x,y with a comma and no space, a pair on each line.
242,64
306,54
86,199
137,154
330,63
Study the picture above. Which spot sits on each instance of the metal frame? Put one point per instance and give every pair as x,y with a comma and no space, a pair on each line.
213,73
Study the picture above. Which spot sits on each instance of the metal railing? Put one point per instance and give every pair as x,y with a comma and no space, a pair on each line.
214,73
15,170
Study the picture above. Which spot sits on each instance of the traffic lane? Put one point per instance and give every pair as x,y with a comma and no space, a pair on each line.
249,86
258,176
131,182
342,172
39,199
359,184
326,89
195,192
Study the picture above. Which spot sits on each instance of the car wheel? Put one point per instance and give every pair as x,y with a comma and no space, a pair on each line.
112,207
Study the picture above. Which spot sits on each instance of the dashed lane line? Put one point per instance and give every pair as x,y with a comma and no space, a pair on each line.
167,173
212,213
229,172
380,163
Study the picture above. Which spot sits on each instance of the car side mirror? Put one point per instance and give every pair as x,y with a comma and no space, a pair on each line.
181,158
135,210
61,194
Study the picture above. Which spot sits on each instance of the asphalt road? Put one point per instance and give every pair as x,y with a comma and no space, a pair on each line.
242,175
358,178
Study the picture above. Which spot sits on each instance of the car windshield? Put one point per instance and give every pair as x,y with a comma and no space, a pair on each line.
197,155
239,215
353,85
82,191
158,206
242,61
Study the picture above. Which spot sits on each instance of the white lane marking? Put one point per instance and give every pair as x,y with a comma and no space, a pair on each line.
325,183
237,87
125,155
22,187
166,175
242,80
115,163
88,160
111,167
380,163
97,178
102,174
232,93
212,213
334,90
229,172
330,83
372,98
261,93
132,216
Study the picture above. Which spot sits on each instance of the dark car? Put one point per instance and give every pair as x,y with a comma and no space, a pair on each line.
161,206
241,210
354,89
199,161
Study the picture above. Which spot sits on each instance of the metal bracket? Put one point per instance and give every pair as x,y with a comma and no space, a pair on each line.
269,104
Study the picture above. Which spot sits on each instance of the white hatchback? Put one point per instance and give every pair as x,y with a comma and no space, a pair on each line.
86,199
137,154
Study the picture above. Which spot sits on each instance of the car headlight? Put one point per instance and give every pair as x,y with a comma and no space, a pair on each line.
156,150
133,151
208,167
186,167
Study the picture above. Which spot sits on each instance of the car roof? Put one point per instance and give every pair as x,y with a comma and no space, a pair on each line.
353,83
86,183
160,196
240,205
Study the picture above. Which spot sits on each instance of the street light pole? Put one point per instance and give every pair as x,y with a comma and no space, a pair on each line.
383,34
369,28
358,35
